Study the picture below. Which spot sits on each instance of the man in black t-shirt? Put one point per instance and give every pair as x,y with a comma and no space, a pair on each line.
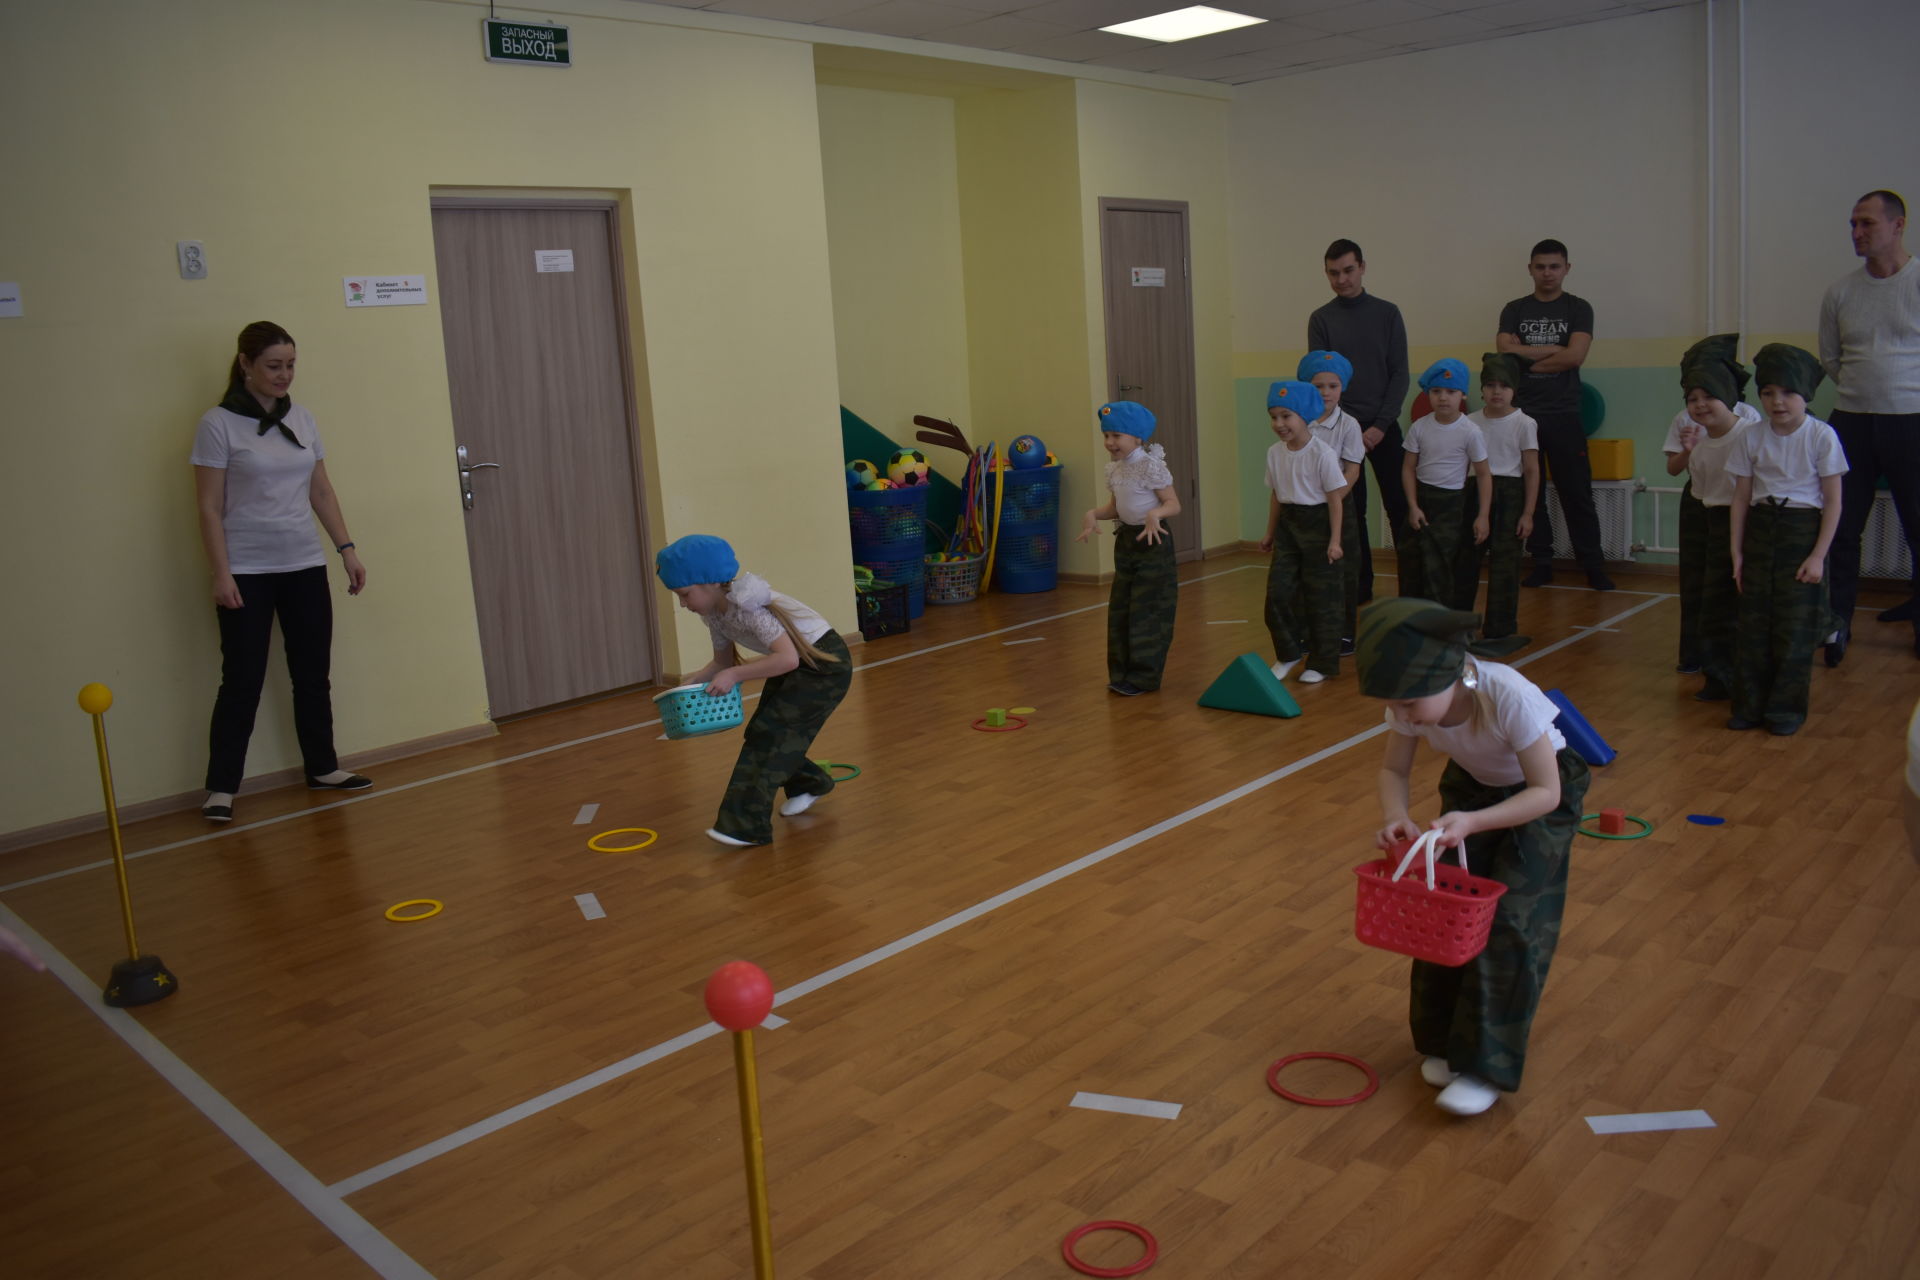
1551,330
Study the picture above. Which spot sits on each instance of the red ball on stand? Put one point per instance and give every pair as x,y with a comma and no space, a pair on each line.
739,995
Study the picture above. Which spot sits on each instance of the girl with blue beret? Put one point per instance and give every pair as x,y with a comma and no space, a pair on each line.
1145,588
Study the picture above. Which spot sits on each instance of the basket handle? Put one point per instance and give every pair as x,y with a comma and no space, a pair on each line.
1428,842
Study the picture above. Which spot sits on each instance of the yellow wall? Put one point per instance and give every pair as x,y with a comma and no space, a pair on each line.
301,143
1151,145
1026,290
893,235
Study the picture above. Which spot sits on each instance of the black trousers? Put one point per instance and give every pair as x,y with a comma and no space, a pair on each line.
1563,448
1386,458
304,605
1876,444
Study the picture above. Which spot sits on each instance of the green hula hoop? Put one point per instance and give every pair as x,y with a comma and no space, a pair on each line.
1646,828
831,765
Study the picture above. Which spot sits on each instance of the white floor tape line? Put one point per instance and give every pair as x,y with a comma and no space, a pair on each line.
381,792
590,906
774,1022
585,815
1126,1106
1028,640
354,1231
1227,622
1651,1122
667,1048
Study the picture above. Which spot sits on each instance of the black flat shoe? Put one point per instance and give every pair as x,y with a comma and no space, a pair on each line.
1836,648
1542,574
1598,580
352,782
1735,722
1124,689
1711,693
217,812
1899,613
1783,730
1687,668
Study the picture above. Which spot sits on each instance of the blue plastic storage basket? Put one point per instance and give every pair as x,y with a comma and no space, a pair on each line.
689,710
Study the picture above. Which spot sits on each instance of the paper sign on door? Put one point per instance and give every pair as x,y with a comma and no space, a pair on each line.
1149,277
545,260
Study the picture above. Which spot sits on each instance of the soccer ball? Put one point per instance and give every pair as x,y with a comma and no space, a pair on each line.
1027,451
861,474
907,467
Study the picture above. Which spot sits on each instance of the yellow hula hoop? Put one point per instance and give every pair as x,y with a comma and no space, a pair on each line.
434,907
595,845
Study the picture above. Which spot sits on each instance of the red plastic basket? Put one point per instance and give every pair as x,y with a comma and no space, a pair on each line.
1446,924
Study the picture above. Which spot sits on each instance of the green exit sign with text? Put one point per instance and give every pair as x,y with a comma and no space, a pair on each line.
531,44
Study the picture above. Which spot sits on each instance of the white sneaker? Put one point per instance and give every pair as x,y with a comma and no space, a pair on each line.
1466,1096
1437,1073
797,804
1310,676
720,837
1280,669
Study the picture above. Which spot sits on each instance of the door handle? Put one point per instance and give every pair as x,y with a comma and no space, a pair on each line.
1124,388
466,474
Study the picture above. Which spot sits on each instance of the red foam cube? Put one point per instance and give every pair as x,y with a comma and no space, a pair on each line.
1613,822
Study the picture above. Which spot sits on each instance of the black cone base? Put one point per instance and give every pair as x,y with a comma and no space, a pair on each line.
140,981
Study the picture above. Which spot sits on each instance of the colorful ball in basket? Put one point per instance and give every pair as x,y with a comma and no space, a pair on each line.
907,467
689,710
861,473
1027,451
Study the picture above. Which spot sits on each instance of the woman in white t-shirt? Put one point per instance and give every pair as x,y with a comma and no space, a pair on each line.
260,476
1511,796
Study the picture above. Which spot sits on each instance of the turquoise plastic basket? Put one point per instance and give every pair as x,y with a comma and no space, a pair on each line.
689,711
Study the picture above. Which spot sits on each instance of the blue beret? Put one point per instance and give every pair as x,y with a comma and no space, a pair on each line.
1325,362
1448,373
698,557
1302,397
1128,418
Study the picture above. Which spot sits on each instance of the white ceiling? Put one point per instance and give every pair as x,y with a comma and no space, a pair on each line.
1300,35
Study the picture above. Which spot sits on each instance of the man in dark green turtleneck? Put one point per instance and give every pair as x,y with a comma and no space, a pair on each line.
1369,332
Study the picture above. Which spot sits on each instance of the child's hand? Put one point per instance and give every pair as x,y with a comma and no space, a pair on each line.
1524,528
1738,559
1333,552
1689,436
1454,828
1266,543
1810,570
1481,528
1416,518
721,683
1395,832
1088,527
1153,532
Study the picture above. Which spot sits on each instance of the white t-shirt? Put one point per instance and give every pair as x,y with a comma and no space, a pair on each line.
1133,480
746,621
1490,750
1445,451
1707,467
1507,438
268,516
1340,431
1304,476
1789,466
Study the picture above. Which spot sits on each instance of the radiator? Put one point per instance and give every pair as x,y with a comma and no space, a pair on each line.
1612,502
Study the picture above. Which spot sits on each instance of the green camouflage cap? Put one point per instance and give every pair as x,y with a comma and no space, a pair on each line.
1498,366
1781,364
1710,365
1410,648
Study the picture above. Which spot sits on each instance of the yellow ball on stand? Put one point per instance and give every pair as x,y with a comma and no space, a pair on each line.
95,698
139,979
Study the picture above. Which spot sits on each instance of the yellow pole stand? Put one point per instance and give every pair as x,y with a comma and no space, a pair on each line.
756,1155
138,979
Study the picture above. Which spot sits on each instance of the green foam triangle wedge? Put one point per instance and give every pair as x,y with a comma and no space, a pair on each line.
1248,684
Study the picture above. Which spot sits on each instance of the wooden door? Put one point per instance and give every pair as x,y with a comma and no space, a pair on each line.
1149,311
537,364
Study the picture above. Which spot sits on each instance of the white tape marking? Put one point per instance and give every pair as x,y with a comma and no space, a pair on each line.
1227,622
1028,640
590,906
1651,1122
774,1022
1127,1106
585,815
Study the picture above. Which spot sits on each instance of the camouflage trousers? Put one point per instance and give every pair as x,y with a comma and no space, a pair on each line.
1503,553
1693,553
1436,549
1146,592
792,709
1719,600
1305,599
1478,1015
1781,621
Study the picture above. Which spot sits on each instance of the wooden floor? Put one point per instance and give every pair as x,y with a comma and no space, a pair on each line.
918,1127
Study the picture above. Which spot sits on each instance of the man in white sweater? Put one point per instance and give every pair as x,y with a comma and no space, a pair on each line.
1870,347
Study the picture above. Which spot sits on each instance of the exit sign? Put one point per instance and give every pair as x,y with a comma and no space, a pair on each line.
531,44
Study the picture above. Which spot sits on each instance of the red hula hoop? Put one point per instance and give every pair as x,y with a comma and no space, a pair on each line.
1088,1269
1273,1080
